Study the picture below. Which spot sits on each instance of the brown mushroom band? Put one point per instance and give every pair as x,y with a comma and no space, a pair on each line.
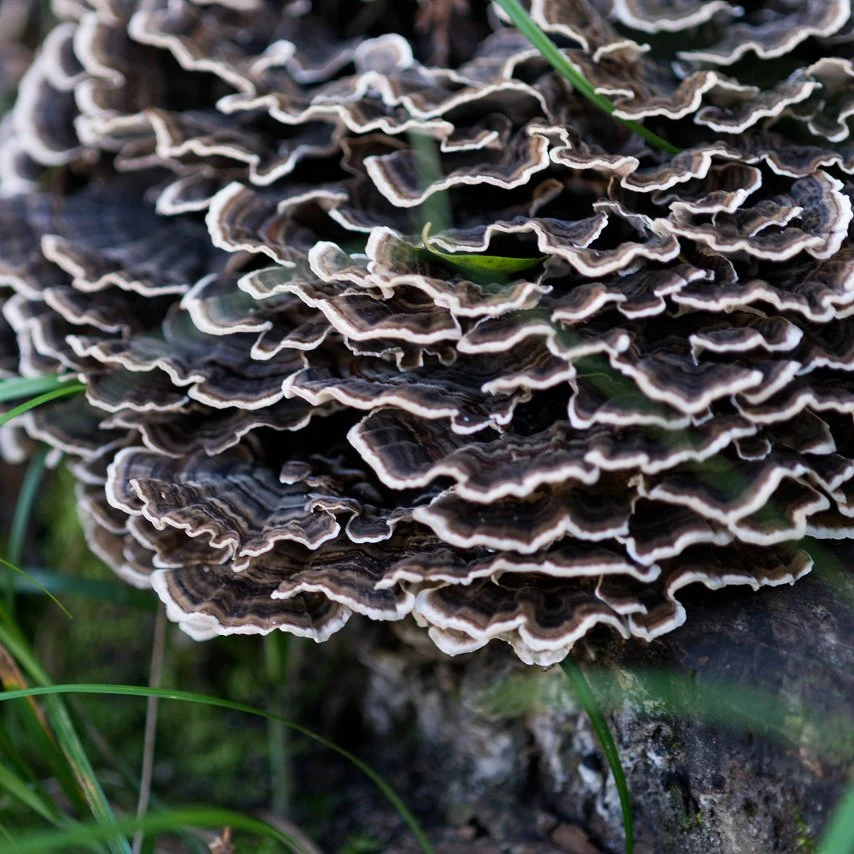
601,374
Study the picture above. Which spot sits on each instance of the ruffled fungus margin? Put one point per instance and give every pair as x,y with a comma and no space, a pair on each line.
610,372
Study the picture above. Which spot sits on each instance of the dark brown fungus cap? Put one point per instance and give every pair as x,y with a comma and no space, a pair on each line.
602,374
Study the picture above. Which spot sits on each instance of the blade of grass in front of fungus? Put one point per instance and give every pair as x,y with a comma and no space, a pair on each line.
202,699
14,388
24,505
437,206
594,712
20,523
480,265
552,54
47,397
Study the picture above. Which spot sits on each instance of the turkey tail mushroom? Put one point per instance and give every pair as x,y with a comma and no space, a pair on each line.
600,374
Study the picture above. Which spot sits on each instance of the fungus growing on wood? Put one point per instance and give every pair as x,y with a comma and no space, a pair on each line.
602,373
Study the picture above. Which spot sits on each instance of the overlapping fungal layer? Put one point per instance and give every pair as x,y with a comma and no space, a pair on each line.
602,374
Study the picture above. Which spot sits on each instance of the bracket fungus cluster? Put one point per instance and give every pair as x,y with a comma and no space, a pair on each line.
604,373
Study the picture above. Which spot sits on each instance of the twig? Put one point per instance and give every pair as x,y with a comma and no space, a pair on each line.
158,646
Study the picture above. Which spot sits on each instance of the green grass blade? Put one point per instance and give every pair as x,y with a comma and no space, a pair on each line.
437,206
130,778
35,583
24,787
8,837
480,265
591,706
9,750
24,506
18,387
552,54
31,730
201,699
47,397
66,735
161,822
18,789
46,582
27,725
838,836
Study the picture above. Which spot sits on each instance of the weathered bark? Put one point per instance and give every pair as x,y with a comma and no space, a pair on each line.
497,757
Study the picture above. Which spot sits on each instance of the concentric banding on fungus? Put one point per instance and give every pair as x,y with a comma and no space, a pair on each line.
607,372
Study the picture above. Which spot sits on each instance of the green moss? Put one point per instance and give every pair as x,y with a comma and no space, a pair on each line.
513,697
804,839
